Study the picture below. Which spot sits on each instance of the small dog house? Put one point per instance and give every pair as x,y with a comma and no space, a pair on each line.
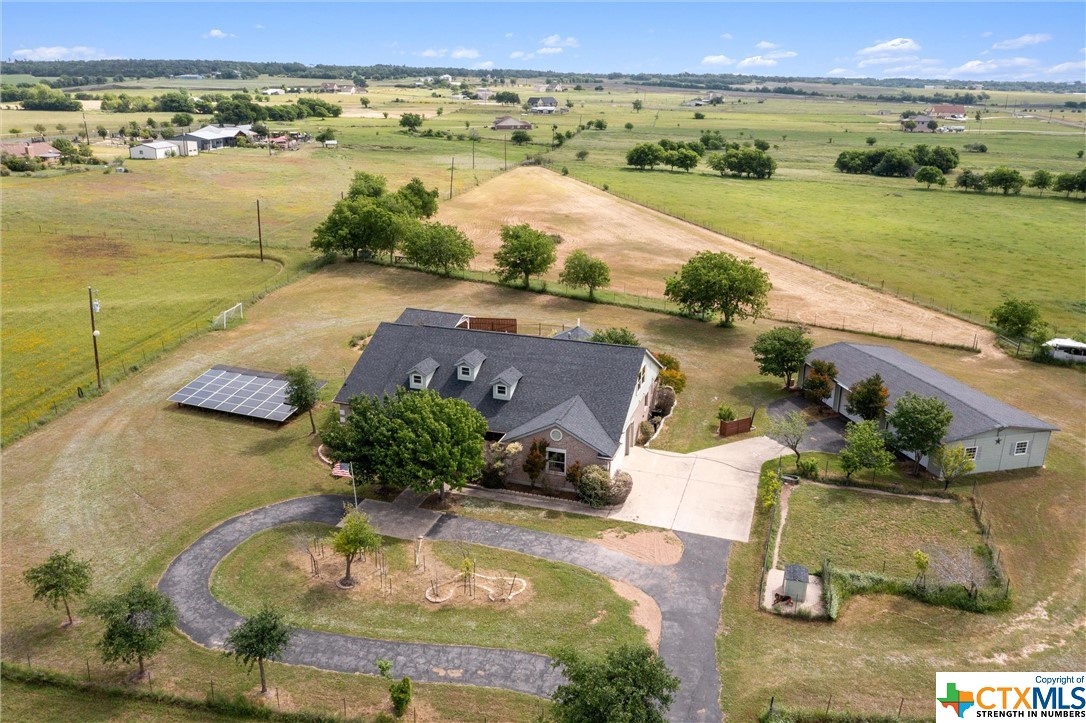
795,582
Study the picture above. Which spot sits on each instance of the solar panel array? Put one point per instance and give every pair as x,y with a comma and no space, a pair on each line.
234,390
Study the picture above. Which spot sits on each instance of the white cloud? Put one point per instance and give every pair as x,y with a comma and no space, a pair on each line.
557,41
466,53
216,34
766,45
897,45
837,72
781,54
756,61
1022,41
59,52
485,65
548,51
433,52
886,60
986,34
258,26
726,36
508,35
716,60
517,54
925,66
1078,65
977,67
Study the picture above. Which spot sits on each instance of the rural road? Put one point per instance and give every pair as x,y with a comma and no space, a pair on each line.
689,595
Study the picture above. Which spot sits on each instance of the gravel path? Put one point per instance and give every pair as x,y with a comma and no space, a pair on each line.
689,596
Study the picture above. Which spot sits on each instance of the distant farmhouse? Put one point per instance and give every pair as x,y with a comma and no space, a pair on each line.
585,400
509,123
996,436
544,104
155,150
210,138
32,149
918,124
947,112
338,88
483,93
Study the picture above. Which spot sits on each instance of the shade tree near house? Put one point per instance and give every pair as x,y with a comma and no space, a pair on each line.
615,335
788,429
520,138
865,448
136,622
416,439
953,462
868,398
818,383
781,351
438,247
301,392
630,683
262,637
60,579
524,253
718,283
352,539
919,424
582,271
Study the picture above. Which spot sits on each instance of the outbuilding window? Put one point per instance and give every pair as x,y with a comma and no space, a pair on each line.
556,460
1021,448
416,381
971,452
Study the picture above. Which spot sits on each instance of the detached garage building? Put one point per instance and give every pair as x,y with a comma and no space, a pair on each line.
995,435
153,150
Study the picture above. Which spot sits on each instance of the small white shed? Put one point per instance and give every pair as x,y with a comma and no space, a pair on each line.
331,144
153,150
1066,350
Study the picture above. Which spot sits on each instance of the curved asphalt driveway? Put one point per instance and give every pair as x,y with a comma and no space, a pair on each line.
688,593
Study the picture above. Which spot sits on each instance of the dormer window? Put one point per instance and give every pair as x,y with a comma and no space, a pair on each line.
419,376
505,384
468,366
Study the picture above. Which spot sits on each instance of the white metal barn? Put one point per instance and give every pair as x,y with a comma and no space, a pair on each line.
153,150
1067,350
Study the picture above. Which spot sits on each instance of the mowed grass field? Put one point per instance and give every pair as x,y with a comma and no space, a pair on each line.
141,479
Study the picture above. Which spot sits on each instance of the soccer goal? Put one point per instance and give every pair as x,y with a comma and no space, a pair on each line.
234,312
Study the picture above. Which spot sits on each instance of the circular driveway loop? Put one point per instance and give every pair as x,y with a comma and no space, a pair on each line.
688,593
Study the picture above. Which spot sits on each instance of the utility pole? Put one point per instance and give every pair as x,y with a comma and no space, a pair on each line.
86,128
94,338
259,230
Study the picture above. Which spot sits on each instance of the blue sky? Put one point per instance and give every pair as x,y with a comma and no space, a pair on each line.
972,40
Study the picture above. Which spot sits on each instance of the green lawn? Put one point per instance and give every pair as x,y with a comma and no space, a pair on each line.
868,532
24,703
563,605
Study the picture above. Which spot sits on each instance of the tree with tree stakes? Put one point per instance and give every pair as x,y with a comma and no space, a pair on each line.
137,625
788,429
262,637
781,351
631,683
59,579
919,425
868,398
525,252
582,271
352,539
302,392
719,283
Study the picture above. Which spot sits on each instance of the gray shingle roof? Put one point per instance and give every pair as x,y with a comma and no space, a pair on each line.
577,333
795,572
554,373
509,376
974,411
426,367
425,317
473,358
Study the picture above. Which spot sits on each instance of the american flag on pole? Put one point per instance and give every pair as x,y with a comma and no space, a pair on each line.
342,469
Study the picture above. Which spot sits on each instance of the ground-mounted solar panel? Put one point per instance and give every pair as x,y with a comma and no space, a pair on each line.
234,390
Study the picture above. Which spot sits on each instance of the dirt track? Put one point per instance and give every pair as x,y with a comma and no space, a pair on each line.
643,247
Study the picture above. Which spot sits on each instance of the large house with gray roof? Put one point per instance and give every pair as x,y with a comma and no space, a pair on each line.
996,436
587,400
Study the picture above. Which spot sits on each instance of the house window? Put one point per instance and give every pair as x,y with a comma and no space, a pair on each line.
501,391
1021,448
465,373
556,460
641,377
971,452
416,381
